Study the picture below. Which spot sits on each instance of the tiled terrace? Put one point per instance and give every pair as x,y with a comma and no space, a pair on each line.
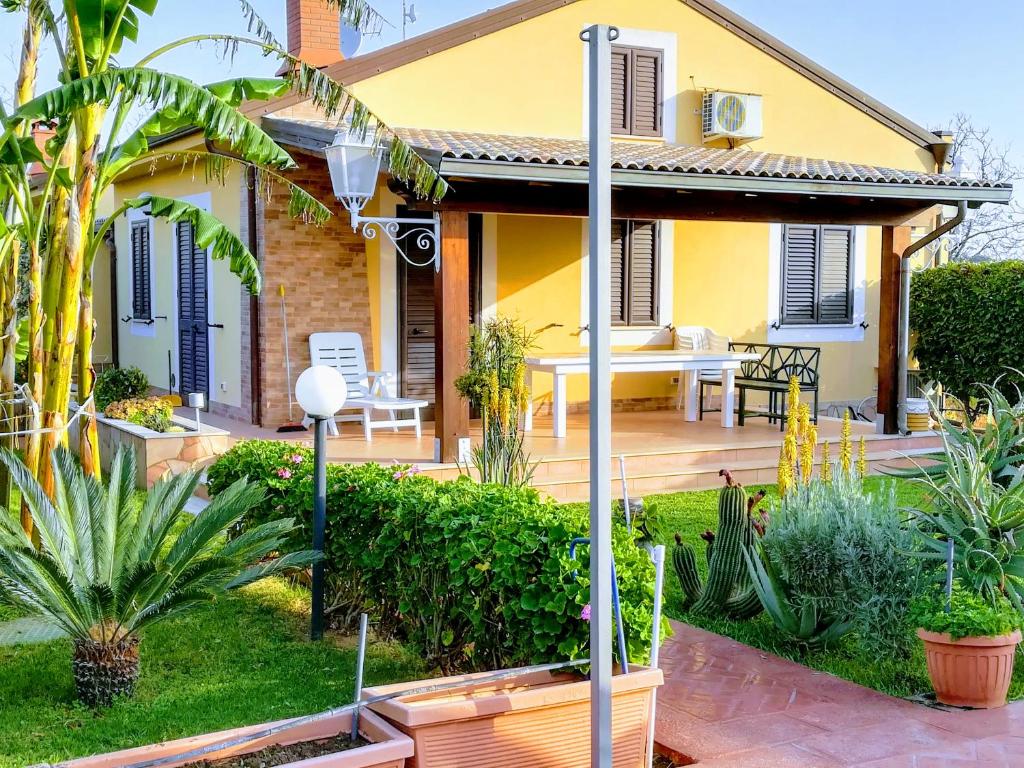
727,705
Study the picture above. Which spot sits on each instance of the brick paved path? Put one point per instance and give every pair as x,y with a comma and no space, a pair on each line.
728,705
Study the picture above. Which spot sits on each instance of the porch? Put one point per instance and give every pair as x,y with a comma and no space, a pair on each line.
663,451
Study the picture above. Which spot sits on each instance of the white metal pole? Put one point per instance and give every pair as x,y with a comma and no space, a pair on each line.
658,556
599,37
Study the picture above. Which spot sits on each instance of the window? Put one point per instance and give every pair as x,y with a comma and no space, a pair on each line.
817,275
636,91
634,273
142,308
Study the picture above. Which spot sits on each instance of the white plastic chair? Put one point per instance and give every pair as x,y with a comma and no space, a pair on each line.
697,338
368,391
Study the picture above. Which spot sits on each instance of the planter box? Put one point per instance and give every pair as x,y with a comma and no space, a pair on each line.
159,452
538,720
972,671
388,750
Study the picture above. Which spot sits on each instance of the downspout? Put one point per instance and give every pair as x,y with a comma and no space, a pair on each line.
905,275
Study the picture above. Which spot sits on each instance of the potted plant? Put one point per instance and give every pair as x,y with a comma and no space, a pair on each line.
534,718
325,743
970,643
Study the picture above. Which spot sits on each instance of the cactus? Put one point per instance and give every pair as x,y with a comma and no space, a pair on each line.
728,590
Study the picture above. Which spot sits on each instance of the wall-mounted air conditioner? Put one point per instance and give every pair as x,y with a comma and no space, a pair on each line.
731,116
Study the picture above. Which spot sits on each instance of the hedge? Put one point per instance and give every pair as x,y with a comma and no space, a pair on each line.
967,320
473,576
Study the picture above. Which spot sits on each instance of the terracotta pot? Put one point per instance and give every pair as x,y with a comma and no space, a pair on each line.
389,749
970,672
538,720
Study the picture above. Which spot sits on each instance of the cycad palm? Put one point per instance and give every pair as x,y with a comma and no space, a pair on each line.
108,566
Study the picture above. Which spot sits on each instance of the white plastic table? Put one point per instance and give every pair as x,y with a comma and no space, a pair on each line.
687,363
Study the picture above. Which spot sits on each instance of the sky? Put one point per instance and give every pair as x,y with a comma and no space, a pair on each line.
928,59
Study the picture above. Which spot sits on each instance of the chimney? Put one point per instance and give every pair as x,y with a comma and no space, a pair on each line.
314,32
42,132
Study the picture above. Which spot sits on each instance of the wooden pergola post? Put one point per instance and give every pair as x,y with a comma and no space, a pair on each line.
451,329
895,241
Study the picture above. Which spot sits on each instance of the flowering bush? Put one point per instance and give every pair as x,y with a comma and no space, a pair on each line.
150,412
473,575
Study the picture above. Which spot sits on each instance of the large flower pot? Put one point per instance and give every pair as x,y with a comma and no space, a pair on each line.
388,748
537,720
972,671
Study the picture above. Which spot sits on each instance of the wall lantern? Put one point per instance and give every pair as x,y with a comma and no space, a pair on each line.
354,162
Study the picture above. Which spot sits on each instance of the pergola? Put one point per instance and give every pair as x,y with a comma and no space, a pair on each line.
545,176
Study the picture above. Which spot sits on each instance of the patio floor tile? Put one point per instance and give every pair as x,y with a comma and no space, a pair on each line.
725,704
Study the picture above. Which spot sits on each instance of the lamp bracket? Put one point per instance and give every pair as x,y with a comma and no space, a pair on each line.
424,233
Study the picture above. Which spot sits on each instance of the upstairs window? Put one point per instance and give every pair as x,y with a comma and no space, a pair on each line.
142,301
634,288
636,91
817,275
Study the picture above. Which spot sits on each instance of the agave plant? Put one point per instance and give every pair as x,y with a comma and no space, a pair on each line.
109,566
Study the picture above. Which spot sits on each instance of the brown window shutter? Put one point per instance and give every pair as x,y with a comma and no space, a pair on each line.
619,274
643,273
646,93
817,275
620,90
141,296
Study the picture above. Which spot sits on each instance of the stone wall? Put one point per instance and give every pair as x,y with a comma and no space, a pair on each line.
324,271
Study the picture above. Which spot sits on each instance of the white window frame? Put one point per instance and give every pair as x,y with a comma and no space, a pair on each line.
626,336
644,38
801,334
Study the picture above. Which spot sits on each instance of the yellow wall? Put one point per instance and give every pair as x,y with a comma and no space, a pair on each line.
150,354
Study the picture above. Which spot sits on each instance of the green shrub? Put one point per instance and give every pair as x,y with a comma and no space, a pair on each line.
970,614
963,316
472,575
115,384
846,554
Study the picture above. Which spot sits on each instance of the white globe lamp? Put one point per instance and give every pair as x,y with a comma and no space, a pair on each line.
321,391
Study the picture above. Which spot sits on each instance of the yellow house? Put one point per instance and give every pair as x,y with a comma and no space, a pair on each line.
755,194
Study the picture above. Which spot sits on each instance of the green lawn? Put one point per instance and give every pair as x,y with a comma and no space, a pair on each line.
691,513
243,660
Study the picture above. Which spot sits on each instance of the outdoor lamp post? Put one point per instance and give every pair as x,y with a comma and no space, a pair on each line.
321,392
354,163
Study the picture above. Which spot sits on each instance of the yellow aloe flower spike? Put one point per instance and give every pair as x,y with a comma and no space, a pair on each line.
845,446
826,464
862,458
494,391
505,409
785,477
807,454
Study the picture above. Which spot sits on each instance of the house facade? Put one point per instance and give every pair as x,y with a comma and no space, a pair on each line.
791,234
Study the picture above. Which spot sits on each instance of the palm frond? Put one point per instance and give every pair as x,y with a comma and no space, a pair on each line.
49,523
163,507
273,567
223,512
209,232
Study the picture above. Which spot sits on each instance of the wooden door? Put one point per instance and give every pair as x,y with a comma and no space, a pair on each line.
416,314
193,315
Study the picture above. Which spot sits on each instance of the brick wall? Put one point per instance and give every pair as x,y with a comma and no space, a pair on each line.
325,275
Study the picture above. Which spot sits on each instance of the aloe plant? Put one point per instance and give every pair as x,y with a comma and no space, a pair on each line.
109,566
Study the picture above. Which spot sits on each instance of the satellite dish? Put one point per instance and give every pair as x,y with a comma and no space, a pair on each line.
411,13
351,39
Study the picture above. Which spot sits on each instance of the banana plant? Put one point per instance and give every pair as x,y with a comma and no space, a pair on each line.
110,566
53,212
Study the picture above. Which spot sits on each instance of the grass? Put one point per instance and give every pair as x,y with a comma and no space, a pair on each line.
245,659
691,513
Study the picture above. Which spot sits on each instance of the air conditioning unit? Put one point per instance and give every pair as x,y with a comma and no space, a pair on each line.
731,116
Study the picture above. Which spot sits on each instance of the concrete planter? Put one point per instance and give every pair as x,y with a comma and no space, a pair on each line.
538,720
972,671
159,452
389,748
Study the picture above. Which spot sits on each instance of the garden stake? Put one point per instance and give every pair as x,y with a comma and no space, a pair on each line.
658,557
949,575
360,657
193,755
623,659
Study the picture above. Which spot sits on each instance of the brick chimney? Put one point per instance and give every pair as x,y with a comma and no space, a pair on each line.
314,32
42,132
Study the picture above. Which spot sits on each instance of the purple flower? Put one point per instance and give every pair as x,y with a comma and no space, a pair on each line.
284,473
413,470
585,613
296,458
398,475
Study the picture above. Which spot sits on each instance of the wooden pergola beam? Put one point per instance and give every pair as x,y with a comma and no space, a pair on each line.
895,241
451,334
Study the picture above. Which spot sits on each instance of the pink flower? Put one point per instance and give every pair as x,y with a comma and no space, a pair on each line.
413,470
398,475
585,613
296,458
284,473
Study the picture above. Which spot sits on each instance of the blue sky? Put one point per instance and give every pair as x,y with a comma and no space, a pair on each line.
925,58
